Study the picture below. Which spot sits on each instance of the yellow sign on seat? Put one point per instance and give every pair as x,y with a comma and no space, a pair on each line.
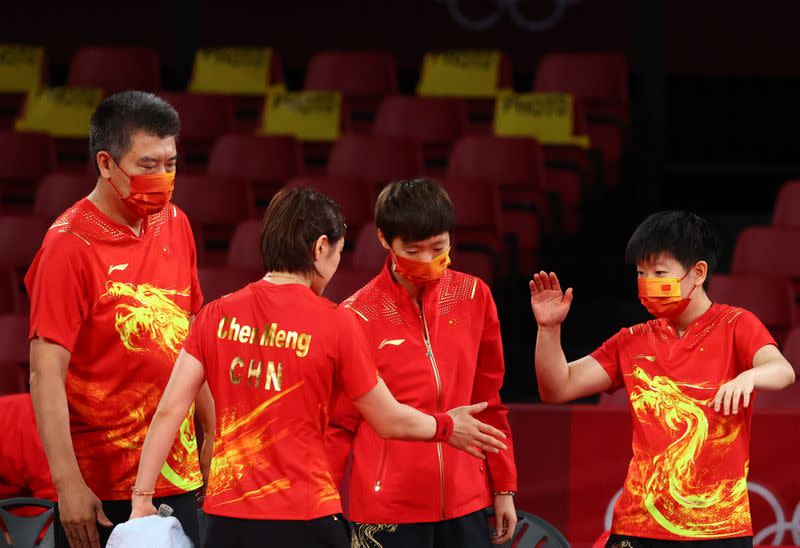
60,111
20,68
231,71
548,117
308,115
468,73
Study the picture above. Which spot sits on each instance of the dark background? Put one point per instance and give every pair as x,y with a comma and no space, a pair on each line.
714,87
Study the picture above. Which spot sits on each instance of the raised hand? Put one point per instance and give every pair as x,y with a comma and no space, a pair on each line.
550,305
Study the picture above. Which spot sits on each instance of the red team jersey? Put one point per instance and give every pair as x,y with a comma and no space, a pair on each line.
687,479
272,355
121,304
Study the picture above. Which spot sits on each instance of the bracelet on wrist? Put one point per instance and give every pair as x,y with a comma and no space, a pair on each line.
509,493
137,492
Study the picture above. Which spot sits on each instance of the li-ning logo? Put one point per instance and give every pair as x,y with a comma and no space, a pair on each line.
115,267
393,342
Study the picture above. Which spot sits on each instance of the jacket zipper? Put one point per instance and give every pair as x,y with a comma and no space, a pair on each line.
432,358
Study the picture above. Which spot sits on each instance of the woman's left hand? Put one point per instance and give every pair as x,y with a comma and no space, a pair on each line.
729,394
505,515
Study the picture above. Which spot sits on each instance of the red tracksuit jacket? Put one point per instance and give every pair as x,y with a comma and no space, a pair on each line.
447,355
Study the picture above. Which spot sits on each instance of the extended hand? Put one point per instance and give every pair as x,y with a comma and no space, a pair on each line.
731,392
473,436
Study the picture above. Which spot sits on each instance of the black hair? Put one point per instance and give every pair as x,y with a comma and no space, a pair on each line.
295,219
684,235
124,113
414,210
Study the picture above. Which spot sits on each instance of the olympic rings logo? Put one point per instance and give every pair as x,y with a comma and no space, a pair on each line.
777,530
512,7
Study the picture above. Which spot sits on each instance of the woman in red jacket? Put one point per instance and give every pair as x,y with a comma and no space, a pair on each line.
435,338
272,353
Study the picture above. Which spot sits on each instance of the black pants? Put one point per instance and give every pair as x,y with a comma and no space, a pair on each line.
184,508
621,541
470,531
324,532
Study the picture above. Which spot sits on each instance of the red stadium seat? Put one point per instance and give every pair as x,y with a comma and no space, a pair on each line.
434,121
24,159
13,378
203,119
214,205
8,291
368,254
116,69
516,164
771,299
347,281
244,251
218,281
362,77
478,264
787,205
791,348
351,194
509,161
14,353
478,231
14,330
477,207
213,200
20,239
266,161
58,191
599,82
375,158
517,167
353,73
767,250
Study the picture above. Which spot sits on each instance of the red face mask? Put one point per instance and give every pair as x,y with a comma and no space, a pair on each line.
662,296
149,193
421,272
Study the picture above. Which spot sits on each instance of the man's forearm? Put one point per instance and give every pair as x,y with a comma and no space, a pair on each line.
52,419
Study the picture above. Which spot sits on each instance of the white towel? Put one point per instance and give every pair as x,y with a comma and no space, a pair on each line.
149,532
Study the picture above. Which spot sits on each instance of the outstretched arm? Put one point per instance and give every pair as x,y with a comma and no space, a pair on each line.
391,419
